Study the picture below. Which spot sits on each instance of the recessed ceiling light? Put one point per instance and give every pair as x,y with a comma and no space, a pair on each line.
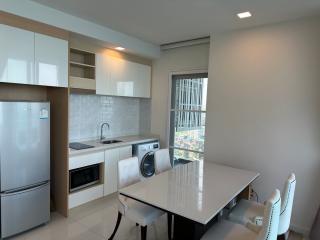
119,48
244,15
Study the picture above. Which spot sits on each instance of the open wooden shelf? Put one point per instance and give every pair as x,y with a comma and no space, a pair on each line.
82,83
82,69
81,56
81,64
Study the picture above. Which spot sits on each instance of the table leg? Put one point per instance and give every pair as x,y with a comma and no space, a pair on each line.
187,229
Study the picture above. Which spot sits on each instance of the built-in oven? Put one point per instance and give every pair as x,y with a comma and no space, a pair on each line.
84,177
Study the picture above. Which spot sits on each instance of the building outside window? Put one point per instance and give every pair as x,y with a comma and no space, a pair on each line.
188,116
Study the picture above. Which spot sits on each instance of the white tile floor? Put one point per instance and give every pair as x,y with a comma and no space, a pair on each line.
95,221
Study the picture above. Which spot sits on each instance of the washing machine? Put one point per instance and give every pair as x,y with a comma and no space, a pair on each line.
145,153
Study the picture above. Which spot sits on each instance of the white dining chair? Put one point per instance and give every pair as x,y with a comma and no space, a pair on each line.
162,161
141,214
226,230
249,211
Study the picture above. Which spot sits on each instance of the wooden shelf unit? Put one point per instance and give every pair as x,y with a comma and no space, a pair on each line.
82,57
59,99
81,65
82,69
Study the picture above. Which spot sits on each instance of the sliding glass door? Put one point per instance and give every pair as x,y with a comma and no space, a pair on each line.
188,116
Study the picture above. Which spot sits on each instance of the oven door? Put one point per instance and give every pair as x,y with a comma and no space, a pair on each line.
84,177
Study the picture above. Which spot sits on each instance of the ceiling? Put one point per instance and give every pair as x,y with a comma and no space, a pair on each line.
166,21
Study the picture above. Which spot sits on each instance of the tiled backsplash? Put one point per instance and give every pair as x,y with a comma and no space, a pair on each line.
126,116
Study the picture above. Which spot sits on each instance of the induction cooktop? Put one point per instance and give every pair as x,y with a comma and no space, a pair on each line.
79,146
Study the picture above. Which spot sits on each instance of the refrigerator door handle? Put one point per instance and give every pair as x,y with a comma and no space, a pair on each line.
24,190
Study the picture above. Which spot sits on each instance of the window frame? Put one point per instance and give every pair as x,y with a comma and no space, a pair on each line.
168,133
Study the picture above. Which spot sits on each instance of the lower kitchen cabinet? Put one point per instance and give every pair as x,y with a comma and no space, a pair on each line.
112,157
87,195
108,177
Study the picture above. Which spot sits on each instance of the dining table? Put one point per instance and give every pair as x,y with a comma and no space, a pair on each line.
194,194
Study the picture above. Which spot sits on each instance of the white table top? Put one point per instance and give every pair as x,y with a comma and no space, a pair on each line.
197,191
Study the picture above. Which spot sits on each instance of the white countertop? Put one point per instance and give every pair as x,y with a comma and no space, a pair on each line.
197,191
97,146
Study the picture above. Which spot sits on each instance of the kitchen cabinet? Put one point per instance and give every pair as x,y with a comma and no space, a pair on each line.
125,152
87,195
112,157
86,160
119,77
17,55
51,61
31,58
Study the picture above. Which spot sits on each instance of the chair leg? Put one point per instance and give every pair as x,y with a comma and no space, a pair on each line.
286,235
169,225
143,232
282,237
116,227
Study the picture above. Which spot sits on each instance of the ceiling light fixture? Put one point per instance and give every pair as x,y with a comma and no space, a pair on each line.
244,15
120,48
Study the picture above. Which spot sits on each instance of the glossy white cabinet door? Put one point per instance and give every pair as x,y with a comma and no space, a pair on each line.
111,171
141,77
125,152
16,55
112,157
119,77
102,76
51,61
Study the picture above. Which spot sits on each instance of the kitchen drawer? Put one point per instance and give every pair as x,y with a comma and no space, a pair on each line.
24,210
86,160
86,195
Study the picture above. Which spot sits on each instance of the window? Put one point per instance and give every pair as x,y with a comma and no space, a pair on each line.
188,116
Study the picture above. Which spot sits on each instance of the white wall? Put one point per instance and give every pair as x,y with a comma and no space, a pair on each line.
264,108
174,60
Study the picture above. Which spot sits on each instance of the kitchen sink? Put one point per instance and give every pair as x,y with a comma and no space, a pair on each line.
111,141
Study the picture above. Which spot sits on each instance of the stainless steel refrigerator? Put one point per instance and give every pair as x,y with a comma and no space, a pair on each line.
24,165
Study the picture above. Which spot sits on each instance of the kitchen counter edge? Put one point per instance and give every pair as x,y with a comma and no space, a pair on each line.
126,141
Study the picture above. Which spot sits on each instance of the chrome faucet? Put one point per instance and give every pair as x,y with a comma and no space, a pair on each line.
101,130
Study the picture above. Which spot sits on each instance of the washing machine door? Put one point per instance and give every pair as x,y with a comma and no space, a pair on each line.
147,165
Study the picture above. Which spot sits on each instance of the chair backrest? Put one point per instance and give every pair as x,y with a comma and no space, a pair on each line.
162,161
269,230
287,203
128,172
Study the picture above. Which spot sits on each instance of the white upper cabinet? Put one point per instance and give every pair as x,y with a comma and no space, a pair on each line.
102,75
51,61
16,55
119,77
31,58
